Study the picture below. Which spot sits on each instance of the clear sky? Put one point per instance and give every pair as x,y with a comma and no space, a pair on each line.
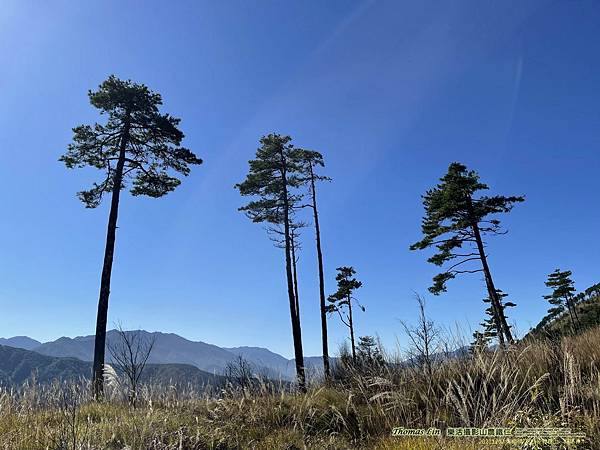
389,92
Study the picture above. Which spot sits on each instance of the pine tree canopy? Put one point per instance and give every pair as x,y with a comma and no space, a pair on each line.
451,213
147,140
346,285
369,352
276,170
315,158
310,160
561,284
562,291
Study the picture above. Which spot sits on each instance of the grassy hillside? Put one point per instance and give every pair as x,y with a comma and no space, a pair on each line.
588,312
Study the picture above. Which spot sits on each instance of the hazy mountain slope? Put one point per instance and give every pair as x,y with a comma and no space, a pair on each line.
168,348
23,342
81,347
313,365
171,348
260,356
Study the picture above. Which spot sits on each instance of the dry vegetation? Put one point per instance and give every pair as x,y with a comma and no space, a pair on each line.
541,384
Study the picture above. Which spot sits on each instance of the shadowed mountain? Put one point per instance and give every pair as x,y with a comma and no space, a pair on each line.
18,365
23,342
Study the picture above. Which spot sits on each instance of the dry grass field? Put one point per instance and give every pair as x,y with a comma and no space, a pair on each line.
540,384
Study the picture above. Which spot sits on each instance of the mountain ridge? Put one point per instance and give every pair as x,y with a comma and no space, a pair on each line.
171,348
24,342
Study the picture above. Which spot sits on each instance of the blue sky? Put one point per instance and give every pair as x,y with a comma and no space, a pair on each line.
389,92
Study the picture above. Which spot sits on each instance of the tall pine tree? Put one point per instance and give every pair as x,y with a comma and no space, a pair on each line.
311,161
138,145
455,223
273,178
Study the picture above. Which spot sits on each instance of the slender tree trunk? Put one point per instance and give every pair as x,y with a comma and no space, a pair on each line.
295,271
499,311
498,325
574,306
294,311
351,323
109,251
572,314
326,368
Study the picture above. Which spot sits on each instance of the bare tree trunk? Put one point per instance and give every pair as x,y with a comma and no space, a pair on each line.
499,311
294,311
109,251
326,368
351,326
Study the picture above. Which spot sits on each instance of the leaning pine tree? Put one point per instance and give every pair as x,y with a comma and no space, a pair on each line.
455,223
139,146
272,179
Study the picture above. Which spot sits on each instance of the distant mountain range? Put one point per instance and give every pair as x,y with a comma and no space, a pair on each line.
173,359
17,365
170,348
